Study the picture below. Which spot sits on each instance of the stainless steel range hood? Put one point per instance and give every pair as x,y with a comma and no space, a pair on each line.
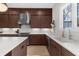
24,18
24,23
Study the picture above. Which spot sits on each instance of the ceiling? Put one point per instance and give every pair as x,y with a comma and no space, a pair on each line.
30,5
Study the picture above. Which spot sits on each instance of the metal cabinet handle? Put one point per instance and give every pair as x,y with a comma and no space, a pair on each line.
22,47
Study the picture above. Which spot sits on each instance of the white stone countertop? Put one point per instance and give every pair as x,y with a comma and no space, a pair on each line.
73,46
9,43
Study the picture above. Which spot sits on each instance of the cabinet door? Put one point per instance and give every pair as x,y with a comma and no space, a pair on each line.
13,20
6,12
27,42
23,49
37,40
20,50
44,40
66,52
16,51
35,22
49,45
45,12
45,21
55,49
13,11
3,20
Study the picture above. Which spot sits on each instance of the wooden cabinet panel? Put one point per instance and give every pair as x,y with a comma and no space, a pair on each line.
41,18
3,20
44,40
41,11
55,49
37,40
27,42
66,52
13,11
41,21
20,50
23,48
35,22
49,45
6,12
45,12
13,21
34,12
45,21
16,51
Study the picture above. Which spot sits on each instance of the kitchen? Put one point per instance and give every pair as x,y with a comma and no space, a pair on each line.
24,25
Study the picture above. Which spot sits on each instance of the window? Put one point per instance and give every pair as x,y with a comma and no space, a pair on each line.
67,21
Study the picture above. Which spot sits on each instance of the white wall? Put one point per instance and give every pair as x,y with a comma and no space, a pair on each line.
30,5
74,15
58,17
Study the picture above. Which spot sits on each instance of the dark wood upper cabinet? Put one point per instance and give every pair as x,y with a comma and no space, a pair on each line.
39,17
45,21
6,12
35,22
3,20
45,12
13,11
41,11
13,20
34,12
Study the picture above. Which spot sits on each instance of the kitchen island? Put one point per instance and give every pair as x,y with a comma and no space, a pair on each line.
7,44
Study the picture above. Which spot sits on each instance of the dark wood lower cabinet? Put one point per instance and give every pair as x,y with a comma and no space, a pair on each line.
20,50
37,39
65,52
54,48
49,45
57,50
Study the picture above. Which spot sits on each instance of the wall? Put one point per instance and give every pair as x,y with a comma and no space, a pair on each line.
74,15
58,17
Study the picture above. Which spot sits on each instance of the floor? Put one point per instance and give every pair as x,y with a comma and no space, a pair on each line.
35,50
